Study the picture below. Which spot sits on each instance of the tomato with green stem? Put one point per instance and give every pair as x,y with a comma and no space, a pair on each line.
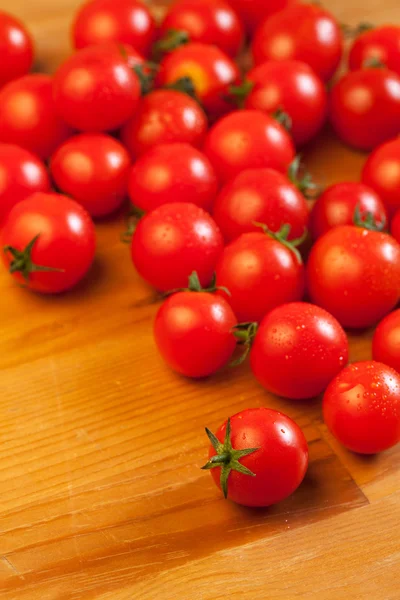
258,457
125,21
172,173
297,350
382,173
49,243
376,44
16,48
361,407
260,196
193,330
174,240
248,139
261,271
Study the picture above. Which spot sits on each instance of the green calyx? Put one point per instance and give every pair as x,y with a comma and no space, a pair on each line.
373,63
173,39
239,93
227,458
194,285
366,220
146,74
283,119
353,32
184,85
135,214
22,261
245,334
303,180
282,237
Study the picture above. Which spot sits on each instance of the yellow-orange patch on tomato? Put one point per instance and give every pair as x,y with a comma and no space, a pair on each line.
388,174
196,73
79,165
281,47
157,178
102,25
22,110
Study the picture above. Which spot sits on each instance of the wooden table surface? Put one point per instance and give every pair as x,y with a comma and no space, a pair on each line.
101,494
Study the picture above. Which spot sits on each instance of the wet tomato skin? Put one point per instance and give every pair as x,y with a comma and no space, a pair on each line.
248,139
211,71
163,117
206,21
364,107
174,240
337,205
279,464
193,333
355,275
28,115
379,44
386,341
305,32
22,174
293,87
16,49
93,168
260,274
382,173
260,196
361,407
172,173
297,351
125,21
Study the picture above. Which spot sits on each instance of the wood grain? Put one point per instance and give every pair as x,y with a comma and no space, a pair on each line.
101,495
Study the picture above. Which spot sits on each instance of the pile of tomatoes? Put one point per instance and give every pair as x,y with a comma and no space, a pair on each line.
251,258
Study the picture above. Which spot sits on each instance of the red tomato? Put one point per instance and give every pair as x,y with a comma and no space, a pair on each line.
211,71
293,87
21,175
382,173
248,139
93,168
362,407
260,196
163,117
16,49
253,12
364,107
172,173
260,273
297,350
174,240
258,457
96,90
127,21
339,204
193,333
355,274
386,341
395,227
49,243
28,115
206,21
381,44
305,32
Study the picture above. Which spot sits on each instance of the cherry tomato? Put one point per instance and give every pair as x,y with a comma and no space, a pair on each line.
382,173
163,117
339,204
258,457
260,273
206,21
355,274
365,107
172,173
305,32
49,243
21,175
297,350
193,333
174,240
253,12
28,115
210,70
260,196
96,90
381,44
248,139
127,21
362,407
395,227
386,341
290,86
16,49
93,168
